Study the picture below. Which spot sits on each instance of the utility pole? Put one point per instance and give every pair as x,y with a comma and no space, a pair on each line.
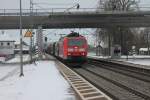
31,26
96,44
21,56
33,46
148,42
109,44
121,41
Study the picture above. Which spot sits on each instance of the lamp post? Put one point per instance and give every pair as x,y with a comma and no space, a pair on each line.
77,5
148,47
31,26
21,56
33,46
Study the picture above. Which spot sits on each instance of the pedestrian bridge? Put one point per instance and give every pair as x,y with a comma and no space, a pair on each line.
73,19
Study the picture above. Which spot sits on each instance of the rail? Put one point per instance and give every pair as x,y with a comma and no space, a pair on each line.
83,88
114,78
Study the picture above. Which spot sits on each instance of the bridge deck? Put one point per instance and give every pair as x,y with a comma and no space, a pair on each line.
76,20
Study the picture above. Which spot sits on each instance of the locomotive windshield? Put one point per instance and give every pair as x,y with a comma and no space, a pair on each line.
76,42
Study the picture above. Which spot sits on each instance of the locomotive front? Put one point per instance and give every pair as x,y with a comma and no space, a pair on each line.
75,48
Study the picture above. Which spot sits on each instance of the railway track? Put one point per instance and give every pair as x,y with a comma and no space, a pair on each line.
120,83
128,68
83,88
137,73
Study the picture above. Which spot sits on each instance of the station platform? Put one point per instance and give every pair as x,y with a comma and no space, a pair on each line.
41,81
134,62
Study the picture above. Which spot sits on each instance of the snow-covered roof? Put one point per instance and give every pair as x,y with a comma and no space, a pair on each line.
143,49
5,37
47,80
24,48
23,42
17,42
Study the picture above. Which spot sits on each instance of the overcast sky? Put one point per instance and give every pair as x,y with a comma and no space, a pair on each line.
14,4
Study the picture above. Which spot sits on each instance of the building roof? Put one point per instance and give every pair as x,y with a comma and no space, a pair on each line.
23,42
27,48
6,41
6,38
143,49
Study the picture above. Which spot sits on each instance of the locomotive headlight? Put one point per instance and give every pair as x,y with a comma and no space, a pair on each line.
69,54
83,53
81,49
70,49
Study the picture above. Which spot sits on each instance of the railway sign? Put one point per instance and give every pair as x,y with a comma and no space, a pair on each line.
28,34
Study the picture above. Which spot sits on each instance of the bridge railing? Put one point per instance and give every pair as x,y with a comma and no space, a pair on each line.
43,12
48,11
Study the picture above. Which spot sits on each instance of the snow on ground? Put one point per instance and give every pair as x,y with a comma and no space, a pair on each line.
91,54
2,59
4,70
137,59
17,59
41,82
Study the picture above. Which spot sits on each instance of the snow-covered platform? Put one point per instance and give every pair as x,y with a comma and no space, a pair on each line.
135,62
123,57
41,81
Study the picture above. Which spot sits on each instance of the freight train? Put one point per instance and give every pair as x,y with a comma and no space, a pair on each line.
70,48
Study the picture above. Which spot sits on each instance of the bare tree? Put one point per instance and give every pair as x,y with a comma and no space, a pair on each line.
145,39
121,5
117,35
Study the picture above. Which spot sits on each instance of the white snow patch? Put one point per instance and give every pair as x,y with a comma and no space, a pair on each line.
4,70
41,82
139,61
17,59
2,59
122,57
143,49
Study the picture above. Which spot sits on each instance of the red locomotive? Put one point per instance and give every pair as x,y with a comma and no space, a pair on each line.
71,48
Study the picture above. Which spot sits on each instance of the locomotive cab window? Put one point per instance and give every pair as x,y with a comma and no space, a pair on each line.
76,42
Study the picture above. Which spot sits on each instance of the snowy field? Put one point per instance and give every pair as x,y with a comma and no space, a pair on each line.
42,81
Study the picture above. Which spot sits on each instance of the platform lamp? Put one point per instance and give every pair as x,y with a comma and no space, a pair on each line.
77,5
21,56
33,50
